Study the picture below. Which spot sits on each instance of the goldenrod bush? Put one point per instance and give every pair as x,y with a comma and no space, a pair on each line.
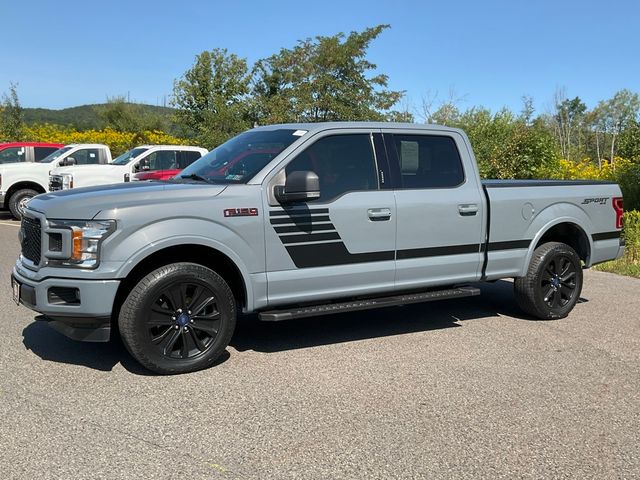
118,142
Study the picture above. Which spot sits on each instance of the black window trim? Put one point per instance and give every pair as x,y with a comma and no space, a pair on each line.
394,159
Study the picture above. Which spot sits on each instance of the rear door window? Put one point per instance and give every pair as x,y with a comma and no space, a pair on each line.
42,152
187,157
428,161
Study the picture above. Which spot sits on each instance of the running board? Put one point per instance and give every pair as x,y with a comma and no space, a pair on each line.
369,303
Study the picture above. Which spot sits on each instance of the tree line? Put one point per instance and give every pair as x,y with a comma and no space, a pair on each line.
328,78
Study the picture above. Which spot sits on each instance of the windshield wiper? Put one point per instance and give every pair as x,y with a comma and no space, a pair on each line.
194,176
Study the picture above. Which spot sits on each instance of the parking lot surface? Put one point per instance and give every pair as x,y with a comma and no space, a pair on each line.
467,388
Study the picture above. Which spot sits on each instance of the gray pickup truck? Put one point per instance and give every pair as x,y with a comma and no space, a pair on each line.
303,220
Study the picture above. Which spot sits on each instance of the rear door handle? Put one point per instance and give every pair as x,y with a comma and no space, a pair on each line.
468,209
379,214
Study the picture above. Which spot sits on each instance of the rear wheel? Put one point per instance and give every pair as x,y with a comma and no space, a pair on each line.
553,282
178,318
18,201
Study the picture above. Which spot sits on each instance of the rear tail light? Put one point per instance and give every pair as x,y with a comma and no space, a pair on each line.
618,206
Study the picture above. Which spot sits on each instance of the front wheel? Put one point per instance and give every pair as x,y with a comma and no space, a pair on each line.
18,201
553,282
178,318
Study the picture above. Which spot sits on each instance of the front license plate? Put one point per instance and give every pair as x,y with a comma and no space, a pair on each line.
16,291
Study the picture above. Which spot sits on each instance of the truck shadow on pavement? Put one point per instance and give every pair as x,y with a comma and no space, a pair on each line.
496,299
251,334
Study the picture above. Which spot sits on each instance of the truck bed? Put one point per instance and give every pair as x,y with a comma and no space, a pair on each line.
519,211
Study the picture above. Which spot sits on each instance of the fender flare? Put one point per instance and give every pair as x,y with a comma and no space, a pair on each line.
537,229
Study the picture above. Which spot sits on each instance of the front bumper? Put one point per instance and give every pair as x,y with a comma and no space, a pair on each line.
3,195
80,309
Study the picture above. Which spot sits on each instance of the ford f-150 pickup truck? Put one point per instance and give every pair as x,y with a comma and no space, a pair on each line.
304,220
146,158
19,182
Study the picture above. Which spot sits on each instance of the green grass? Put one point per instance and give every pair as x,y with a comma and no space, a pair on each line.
629,264
623,266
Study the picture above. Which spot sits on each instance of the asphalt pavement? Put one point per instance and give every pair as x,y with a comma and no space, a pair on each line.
467,388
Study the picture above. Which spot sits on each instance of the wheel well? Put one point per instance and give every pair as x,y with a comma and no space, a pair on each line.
570,234
205,256
19,186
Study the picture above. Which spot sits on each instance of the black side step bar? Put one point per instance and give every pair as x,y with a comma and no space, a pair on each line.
355,305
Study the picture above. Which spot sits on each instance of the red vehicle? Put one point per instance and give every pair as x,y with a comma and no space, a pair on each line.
26,151
184,159
157,175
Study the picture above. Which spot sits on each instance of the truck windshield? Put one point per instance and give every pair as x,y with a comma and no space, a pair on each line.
52,156
126,157
239,159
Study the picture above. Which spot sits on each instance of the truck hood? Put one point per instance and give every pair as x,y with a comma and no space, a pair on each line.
86,203
25,167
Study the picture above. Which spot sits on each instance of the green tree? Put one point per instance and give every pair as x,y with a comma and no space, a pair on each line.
323,79
123,116
11,116
212,97
505,146
568,119
629,142
615,114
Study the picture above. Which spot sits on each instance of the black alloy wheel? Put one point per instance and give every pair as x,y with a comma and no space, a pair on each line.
178,318
553,282
558,281
184,320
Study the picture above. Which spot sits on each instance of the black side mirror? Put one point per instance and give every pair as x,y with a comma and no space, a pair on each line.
298,187
68,161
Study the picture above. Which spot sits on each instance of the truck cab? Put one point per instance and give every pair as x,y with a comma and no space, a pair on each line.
19,182
19,152
142,159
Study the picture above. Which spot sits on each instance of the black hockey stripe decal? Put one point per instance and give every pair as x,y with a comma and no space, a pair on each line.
509,245
300,220
309,237
606,235
329,254
438,251
336,253
297,211
308,228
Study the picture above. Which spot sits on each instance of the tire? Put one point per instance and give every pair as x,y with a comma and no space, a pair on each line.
18,199
179,318
553,282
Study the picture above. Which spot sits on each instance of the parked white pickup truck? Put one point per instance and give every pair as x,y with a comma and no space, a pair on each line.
19,182
146,158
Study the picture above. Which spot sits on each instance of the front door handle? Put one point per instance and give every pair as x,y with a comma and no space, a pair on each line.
468,209
379,214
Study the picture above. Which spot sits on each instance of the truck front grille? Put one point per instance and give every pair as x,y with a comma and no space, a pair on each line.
55,183
31,239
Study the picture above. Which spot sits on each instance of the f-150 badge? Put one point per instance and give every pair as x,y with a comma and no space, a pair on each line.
241,212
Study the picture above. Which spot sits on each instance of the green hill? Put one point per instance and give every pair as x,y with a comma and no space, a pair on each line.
84,117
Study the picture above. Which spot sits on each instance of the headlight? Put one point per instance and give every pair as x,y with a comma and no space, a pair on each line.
84,239
67,181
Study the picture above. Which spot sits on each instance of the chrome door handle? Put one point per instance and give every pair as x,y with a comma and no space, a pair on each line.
468,209
379,214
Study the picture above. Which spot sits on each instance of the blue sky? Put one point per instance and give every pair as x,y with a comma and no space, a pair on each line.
489,52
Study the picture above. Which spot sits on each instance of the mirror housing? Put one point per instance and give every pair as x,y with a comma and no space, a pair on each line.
299,187
68,161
